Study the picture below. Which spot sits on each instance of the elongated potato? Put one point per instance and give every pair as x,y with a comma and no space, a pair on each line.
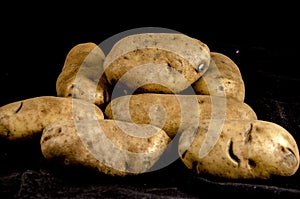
175,113
223,78
157,62
108,146
83,76
24,119
244,150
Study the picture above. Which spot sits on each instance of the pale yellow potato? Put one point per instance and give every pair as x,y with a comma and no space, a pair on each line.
244,150
21,120
110,147
222,78
175,113
156,62
82,75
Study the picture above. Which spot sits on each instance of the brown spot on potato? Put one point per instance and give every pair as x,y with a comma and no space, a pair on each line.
221,88
257,129
45,138
58,130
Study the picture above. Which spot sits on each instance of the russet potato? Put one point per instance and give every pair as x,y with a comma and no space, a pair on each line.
111,147
175,113
21,120
157,62
222,78
82,75
244,150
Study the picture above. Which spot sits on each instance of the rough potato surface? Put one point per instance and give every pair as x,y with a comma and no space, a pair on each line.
222,78
23,119
245,150
175,113
83,76
157,62
108,146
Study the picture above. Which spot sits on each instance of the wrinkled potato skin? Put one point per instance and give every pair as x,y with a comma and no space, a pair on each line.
62,143
23,119
245,150
155,108
83,76
224,78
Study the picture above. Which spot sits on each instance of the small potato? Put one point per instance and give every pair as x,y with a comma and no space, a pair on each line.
222,78
108,146
82,75
21,120
244,150
175,113
156,62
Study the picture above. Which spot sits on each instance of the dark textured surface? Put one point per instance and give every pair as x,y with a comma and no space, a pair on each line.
268,48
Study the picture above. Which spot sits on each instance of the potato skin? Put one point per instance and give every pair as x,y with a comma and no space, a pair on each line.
175,113
222,78
157,62
21,120
245,150
110,147
83,76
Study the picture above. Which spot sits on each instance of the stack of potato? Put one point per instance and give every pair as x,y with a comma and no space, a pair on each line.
119,113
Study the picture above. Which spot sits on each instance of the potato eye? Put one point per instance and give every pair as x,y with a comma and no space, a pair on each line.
251,163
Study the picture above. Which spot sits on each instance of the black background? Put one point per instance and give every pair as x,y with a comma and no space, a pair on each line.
36,38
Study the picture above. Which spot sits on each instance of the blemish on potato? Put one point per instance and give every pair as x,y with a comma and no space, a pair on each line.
58,130
66,161
231,154
289,157
247,134
19,108
200,101
221,88
251,163
183,154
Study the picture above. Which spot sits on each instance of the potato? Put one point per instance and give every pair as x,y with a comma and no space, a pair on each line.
222,78
82,75
21,120
156,62
244,150
175,113
110,147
